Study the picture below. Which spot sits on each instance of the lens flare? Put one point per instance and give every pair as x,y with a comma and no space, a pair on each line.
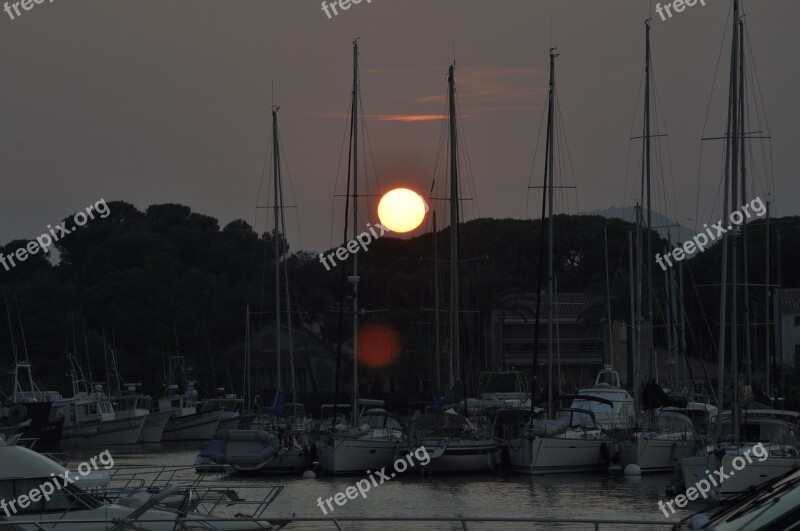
402,210
378,345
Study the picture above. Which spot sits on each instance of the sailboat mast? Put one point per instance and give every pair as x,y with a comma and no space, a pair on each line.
746,300
276,172
767,305
608,302
455,345
646,176
634,321
354,128
730,170
436,304
551,302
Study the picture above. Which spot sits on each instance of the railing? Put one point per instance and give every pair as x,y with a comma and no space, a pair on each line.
208,523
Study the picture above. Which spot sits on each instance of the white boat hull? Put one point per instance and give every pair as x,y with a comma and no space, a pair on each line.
355,455
460,455
195,427
154,426
654,455
103,433
751,474
550,455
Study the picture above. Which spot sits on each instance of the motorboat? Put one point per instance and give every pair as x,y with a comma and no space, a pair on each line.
500,390
136,405
185,422
27,402
72,508
616,410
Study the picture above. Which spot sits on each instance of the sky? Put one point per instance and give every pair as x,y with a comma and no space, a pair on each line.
149,101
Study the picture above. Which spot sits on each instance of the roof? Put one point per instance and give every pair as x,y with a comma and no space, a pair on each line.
790,300
566,304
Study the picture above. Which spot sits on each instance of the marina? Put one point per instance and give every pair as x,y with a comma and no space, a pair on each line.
408,283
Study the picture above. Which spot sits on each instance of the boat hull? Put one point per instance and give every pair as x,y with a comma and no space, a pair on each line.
194,427
747,476
654,455
116,432
355,455
461,455
553,455
154,426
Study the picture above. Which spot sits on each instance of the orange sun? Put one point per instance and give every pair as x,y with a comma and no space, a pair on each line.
402,210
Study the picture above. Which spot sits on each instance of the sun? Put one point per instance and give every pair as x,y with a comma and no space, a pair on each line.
402,210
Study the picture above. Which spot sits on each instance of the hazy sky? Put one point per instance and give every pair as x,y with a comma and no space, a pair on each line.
153,101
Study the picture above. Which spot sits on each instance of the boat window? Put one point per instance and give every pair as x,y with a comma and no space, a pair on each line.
90,409
176,402
392,423
6,490
374,421
105,407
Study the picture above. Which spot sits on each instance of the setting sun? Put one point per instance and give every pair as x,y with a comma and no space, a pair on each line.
402,210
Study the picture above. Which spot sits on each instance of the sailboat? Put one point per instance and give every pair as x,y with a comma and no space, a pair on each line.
355,448
737,439
568,440
666,435
279,443
453,442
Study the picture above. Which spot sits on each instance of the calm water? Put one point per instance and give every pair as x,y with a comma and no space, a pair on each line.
410,494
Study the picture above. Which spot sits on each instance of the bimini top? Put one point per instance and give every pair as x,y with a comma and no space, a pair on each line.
21,463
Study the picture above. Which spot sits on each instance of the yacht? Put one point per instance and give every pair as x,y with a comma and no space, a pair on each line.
570,442
357,448
780,456
616,410
454,444
658,447
70,508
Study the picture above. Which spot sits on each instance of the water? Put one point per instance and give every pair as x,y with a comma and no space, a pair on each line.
409,494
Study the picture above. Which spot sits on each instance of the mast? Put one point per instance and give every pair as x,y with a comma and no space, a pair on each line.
730,174
634,351
276,169
646,177
608,302
354,279
746,303
551,302
766,308
436,304
455,347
